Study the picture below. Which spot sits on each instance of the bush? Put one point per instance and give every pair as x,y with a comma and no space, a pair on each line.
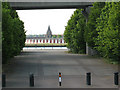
90,31
74,32
13,33
107,42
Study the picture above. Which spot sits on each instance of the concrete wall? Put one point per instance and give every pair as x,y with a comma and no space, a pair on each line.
90,51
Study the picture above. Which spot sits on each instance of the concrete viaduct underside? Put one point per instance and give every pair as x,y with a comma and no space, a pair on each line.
48,5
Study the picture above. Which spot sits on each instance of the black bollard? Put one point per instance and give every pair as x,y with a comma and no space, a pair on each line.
88,78
31,80
3,80
116,78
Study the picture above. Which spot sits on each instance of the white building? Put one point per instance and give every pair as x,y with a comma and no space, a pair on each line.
45,38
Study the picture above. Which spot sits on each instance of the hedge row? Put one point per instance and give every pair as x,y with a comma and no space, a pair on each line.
102,31
13,33
108,24
74,32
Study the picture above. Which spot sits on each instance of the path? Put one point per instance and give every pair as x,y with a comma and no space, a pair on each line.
45,64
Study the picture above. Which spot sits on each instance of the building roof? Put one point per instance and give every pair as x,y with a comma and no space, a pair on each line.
43,36
49,30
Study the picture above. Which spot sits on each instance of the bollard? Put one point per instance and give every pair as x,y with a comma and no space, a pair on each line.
88,78
31,80
3,80
60,79
116,78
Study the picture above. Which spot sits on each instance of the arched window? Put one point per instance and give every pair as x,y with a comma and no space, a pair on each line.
43,41
37,41
60,40
47,40
50,41
54,40
33,41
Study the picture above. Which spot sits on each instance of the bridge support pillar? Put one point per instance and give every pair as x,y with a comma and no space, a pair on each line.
89,50
85,12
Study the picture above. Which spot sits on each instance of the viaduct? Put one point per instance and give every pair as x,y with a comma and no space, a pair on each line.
52,4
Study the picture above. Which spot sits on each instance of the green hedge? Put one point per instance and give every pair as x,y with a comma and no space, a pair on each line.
13,33
74,32
102,31
108,24
90,31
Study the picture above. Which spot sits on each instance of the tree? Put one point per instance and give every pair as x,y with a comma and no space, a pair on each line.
108,42
74,32
59,36
90,31
13,33
54,36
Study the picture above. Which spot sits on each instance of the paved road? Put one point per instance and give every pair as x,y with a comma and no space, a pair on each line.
45,64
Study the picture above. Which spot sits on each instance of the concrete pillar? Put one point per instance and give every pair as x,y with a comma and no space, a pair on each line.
55,40
41,40
45,40
26,41
38,40
32,41
89,50
63,40
85,13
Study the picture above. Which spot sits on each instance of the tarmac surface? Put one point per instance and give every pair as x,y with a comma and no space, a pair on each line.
46,64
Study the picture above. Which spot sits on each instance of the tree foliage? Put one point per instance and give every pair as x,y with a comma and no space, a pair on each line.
102,31
54,36
91,31
74,32
108,24
59,36
13,33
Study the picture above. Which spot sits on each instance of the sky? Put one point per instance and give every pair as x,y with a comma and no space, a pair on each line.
37,21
